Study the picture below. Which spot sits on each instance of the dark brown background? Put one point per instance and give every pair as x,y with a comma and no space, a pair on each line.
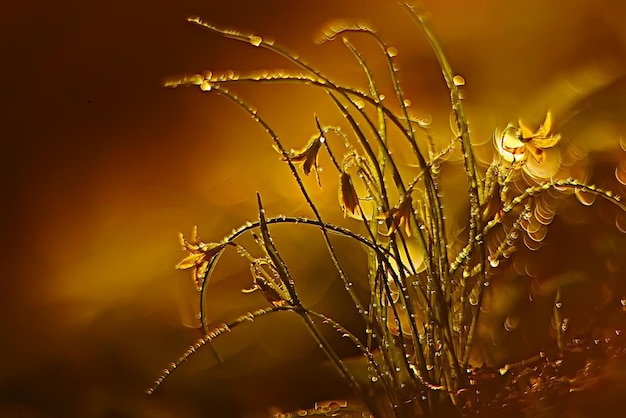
101,167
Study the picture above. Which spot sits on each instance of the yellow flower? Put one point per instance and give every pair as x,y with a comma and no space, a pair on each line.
517,142
200,254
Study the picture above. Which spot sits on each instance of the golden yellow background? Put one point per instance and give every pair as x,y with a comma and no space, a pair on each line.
101,167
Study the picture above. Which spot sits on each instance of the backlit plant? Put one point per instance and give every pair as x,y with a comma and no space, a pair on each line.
427,281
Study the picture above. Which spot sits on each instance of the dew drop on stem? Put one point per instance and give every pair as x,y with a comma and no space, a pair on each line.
392,51
586,198
564,324
256,40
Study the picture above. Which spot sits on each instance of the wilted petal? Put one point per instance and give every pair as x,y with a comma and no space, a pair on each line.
545,127
348,199
547,142
271,294
199,256
308,156
537,153
526,132
401,217
268,283
190,261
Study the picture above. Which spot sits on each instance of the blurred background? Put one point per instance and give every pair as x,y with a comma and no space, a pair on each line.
101,167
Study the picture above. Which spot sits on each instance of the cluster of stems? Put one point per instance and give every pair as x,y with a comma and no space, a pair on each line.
425,291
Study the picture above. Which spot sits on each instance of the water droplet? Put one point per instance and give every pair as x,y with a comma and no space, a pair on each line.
458,80
429,367
558,305
374,379
256,40
407,103
392,52
586,198
206,86
494,262
196,79
564,324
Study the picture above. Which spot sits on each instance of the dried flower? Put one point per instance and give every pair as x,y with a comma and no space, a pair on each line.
269,284
200,254
348,199
517,142
308,156
400,216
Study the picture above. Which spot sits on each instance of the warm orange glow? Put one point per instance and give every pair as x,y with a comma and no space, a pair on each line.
102,167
